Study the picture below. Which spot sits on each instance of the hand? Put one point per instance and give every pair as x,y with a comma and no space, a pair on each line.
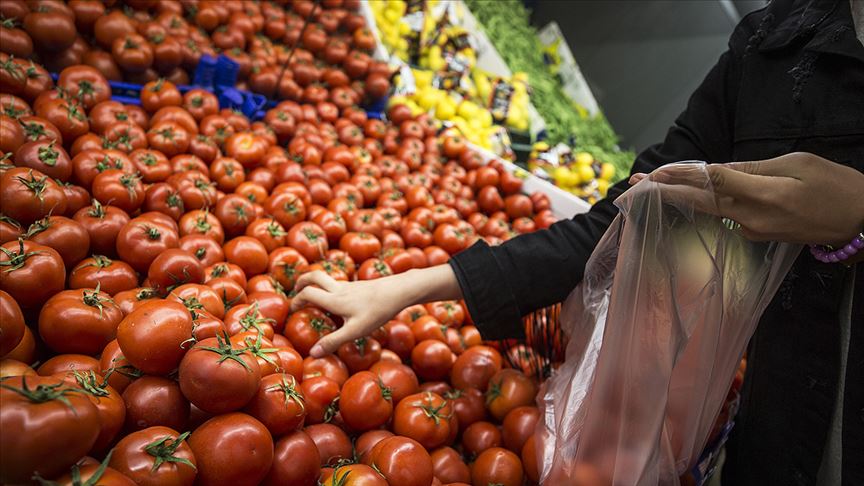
798,197
367,304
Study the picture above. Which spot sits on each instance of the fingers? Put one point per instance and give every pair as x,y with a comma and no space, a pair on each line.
331,342
637,178
312,296
722,179
319,278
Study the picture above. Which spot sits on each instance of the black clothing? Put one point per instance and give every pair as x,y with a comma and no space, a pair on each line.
791,80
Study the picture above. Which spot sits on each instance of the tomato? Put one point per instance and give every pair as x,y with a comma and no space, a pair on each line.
11,323
13,367
287,208
29,195
468,404
480,436
367,440
173,268
365,403
109,404
248,253
203,223
427,327
403,461
497,466
219,377
278,404
152,400
353,475
79,321
247,148
331,441
116,368
519,426
64,363
432,359
475,367
32,273
103,224
152,336
155,456
305,327
47,427
296,461
119,189
425,417
360,354
360,246
320,393
69,238
140,241
234,448
285,265
509,389
308,239
45,156
448,466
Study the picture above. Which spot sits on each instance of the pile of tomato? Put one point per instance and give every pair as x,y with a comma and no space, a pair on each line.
325,45
149,255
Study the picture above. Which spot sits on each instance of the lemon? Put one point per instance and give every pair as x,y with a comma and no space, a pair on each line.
607,171
602,186
561,175
485,118
586,173
391,16
396,100
404,28
467,109
445,109
584,158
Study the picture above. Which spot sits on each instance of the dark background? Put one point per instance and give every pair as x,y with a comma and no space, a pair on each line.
643,58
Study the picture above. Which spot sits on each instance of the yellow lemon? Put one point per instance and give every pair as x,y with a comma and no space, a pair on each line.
602,187
584,158
445,109
607,171
485,118
586,173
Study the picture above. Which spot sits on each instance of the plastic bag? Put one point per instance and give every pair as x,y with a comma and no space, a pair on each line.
669,300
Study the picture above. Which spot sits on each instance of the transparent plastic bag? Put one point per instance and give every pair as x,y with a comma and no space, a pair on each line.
669,300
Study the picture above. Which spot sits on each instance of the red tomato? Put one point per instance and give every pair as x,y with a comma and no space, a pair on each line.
141,240
11,323
34,272
475,367
400,379
468,404
155,456
365,402
278,404
425,417
79,321
296,461
402,461
432,359
497,466
305,327
232,449
331,441
309,239
69,415
360,246
360,354
153,400
480,436
448,466
152,336
219,377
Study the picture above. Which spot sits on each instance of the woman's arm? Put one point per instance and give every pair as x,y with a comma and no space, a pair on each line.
367,304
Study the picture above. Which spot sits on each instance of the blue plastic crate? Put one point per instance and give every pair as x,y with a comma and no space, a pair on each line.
205,72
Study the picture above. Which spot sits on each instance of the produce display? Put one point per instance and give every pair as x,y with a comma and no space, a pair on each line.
149,254
445,77
506,24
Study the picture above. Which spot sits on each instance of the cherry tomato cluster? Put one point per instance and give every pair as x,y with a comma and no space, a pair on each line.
148,256
300,50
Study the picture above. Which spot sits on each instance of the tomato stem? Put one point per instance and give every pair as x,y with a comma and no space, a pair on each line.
226,351
164,450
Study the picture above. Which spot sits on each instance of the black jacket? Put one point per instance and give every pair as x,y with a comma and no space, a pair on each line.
791,80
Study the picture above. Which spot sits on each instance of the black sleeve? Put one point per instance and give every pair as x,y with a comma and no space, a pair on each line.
501,284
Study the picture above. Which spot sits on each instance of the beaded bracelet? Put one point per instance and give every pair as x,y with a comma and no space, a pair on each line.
829,255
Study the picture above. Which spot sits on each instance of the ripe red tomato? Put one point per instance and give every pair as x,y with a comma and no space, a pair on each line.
367,440
28,195
360,246
448,466
32,273
305,327
248,253
400,379
278,404
480,436
320,393
79,321
155,456
47,427
365,402
308,239
296,461
233,448
402,461
141,240
425,417
332,443
469,405
11,323
360,354
497,466
218,376
432,359
519,425
509,389
152,336
475,367
173,268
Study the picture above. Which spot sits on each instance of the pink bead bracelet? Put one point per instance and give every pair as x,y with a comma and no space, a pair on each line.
829,255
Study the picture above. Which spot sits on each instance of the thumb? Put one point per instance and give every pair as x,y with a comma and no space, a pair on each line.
330,343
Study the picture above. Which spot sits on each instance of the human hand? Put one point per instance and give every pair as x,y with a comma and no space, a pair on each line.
365,305
798,197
